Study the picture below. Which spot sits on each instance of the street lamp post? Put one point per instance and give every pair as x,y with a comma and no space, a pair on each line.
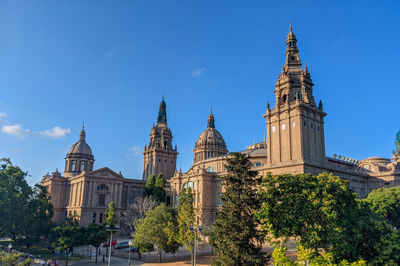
111,229
199,228
129,248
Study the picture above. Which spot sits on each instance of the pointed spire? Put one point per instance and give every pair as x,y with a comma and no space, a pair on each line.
290,23
162,112
305,68
83,133
268,107
211,120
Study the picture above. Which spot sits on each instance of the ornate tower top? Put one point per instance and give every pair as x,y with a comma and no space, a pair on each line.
162,112
397,142
211,120
294,83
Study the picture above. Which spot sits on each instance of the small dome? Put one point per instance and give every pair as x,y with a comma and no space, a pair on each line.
210,138
81,147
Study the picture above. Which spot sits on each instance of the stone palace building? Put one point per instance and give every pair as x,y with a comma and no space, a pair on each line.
85,193
295,144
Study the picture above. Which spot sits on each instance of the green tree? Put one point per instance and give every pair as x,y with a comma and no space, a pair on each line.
12,259
149,187
235,235
321,212
378,243
14,197
66,237
159,188
38,223
186,218
386,202
153,230
316,210
24,211
111,216
96,234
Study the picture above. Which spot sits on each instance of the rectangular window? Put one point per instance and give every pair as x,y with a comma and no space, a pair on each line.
100,218
102,199
94,217
73,164
83,166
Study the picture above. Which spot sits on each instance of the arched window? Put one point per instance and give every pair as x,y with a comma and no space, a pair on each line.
211,169
102,187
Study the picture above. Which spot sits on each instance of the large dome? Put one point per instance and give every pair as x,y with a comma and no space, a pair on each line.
210,144
81,147
210,138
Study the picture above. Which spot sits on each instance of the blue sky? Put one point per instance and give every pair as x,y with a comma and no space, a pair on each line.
108,63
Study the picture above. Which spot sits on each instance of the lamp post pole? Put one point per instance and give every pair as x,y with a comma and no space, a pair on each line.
129,248
195,230
114,229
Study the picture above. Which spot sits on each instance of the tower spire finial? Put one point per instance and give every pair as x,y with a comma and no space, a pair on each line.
162,112
211,121
290,23
82,136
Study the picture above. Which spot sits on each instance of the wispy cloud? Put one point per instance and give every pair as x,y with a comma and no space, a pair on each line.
198,71
14,130
18,130
55,132
3,117
136,150
109,55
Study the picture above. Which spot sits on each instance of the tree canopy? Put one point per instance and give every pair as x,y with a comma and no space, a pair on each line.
24,211
159,188
235,235
186,218
149,187
386,202
321,212
111,216
152,230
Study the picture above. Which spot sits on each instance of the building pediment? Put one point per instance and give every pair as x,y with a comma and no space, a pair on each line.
104,172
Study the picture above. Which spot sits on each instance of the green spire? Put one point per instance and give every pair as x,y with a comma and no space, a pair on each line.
162,112
397,142
211,120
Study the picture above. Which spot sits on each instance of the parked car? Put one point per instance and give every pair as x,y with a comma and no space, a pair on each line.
113,243
132,249
123,244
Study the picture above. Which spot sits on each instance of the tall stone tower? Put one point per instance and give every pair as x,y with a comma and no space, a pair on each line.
159,156
295,126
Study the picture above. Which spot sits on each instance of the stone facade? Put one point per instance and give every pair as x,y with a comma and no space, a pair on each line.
295,145
85,193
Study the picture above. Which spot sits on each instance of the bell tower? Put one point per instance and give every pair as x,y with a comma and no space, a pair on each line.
159,155
295,126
